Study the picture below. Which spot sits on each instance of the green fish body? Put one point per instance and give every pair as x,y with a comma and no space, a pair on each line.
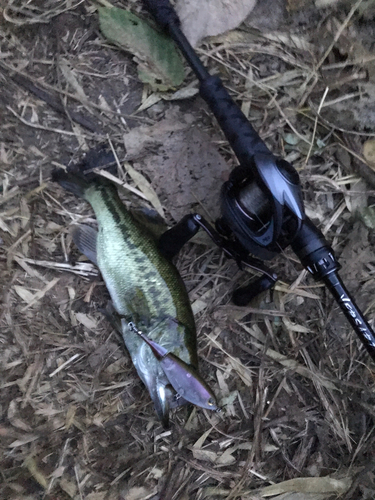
145,287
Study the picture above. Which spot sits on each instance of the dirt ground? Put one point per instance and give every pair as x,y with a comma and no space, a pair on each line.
295,385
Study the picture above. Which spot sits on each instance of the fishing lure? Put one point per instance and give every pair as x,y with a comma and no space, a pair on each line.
183,378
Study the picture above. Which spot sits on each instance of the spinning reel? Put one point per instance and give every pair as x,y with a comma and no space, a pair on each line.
261,203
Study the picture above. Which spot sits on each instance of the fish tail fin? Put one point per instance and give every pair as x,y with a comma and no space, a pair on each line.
78,177
74,183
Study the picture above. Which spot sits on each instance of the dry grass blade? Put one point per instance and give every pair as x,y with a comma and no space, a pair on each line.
144,185
22,14
290,364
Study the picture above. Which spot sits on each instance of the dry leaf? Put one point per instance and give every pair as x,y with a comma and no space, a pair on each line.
324,3
149,101
102,495
308,485
357,200
71,78
25,213
68,486
200,442
205,455
32,466
86,321
39,295
184,167
198,306
24,293
184,93
26,438
226,458
369,152
201,18
136,493
242,371
142,183
14,418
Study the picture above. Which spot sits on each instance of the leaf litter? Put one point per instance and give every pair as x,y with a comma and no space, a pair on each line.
299,387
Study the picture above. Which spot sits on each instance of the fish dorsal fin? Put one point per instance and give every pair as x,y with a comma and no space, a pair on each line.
85,238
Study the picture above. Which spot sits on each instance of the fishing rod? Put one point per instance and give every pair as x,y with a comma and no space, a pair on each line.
261,203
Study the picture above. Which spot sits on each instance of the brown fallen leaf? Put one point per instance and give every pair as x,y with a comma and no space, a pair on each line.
86,321
31,464
143,185
205,455
308,485
298,4
185,169
137,493
201,18
369,152
324,3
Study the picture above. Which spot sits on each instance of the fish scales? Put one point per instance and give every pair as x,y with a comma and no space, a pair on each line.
122,242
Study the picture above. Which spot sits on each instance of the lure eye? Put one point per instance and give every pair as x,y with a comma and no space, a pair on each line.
211,402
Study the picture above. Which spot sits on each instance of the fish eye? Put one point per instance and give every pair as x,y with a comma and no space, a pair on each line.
211,402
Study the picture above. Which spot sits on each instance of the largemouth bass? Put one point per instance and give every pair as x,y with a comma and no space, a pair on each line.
145,287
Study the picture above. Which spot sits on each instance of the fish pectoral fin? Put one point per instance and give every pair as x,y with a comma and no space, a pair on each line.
113,316
85,238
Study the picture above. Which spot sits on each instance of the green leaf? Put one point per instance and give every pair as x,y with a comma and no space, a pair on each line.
160,64
367,216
